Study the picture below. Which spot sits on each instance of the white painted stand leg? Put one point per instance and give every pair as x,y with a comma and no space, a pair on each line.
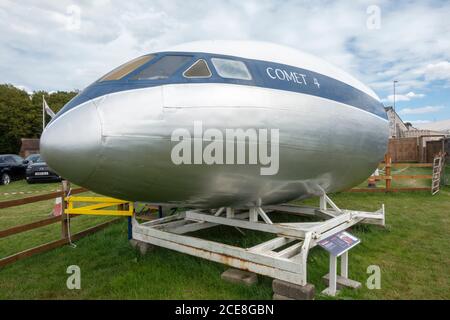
331,290
344,265
334,280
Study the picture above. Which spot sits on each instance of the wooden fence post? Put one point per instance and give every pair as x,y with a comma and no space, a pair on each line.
388,162
64,216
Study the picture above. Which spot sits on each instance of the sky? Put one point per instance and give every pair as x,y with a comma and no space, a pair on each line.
65,45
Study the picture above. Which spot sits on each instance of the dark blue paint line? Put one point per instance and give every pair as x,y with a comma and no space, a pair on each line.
306,82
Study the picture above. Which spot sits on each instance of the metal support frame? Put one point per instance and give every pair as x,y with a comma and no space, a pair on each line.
283,257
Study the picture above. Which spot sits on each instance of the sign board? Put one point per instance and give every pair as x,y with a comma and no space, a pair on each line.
339,243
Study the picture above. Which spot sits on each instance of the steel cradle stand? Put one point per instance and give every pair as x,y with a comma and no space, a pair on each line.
296,239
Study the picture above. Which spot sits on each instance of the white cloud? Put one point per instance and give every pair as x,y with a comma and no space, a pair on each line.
443,125
437,71
21,87
39,51
404,97
421,110
412,95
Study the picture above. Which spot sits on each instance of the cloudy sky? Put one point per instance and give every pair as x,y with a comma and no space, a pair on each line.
65,45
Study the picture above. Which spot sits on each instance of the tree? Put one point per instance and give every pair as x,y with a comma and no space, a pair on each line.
21,114
16,118
55,100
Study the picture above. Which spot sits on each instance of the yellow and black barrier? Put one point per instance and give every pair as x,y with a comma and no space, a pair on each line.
124,208
101,206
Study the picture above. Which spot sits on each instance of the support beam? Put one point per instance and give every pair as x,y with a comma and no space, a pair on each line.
293,209
219,212
264,215
253,217
325,201
271,228
271,244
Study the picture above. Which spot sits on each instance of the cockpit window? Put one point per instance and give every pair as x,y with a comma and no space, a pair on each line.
127,68
163,68
199,69
231,69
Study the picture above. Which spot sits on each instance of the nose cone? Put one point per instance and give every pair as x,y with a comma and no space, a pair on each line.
71,144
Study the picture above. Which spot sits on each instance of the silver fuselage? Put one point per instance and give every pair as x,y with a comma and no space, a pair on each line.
119,143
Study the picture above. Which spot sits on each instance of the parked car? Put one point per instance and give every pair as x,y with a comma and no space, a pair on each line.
32,158
38,171
12,167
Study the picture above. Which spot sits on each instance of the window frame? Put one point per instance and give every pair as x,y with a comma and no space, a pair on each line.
198,77
234,60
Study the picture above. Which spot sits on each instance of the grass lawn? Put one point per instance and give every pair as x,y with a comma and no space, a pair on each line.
413,253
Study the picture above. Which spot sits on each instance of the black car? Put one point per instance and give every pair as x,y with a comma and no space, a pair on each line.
12,167
38,171
32,158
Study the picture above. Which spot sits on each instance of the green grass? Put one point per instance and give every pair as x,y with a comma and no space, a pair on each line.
413,253
21,189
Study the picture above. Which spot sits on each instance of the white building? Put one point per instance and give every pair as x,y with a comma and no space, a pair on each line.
400,129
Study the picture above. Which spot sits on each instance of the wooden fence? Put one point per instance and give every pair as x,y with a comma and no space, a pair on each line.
404,149
63,219
389,177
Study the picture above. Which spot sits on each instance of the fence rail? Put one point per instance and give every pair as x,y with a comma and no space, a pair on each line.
412,165
53,244
63,218
388,177
41,197
408,177
29,226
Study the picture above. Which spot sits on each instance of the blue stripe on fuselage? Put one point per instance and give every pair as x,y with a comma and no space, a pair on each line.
265,74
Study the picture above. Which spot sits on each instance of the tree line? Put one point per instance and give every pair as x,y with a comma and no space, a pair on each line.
21,114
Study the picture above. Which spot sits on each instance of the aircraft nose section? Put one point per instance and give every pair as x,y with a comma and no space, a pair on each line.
71,144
